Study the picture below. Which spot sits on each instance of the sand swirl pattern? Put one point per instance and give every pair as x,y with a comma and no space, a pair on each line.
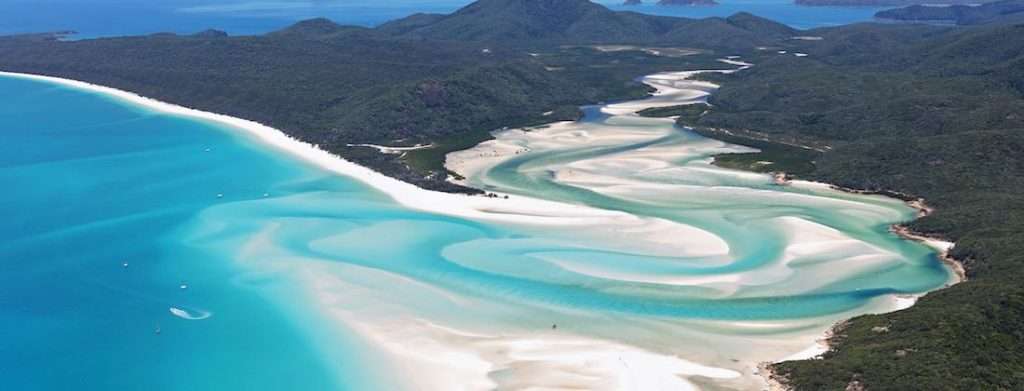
622,259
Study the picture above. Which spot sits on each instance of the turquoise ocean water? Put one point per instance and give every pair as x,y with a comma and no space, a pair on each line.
94,194
150,251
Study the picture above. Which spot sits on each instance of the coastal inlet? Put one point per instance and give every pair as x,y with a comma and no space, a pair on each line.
622,259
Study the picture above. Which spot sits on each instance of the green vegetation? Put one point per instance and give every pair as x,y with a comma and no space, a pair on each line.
581,21
772,156
686,113
860,3
923,110
926,111
1004,11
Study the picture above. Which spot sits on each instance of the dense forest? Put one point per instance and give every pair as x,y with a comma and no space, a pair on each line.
928,111
581,21
1004,11
863,3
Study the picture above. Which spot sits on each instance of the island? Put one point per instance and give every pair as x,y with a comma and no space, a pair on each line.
1005,11
883,3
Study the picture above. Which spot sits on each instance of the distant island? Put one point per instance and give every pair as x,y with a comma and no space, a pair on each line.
633,2
882,3
1000,11
910,111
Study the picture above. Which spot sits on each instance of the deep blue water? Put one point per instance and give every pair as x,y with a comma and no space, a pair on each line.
94,18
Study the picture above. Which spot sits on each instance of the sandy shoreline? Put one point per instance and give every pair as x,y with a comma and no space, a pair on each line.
939,244
777,382
516,210
666,86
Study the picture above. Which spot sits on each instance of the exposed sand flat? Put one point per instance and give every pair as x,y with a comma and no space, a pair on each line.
654,51
474,358
666,169
674,89
757,242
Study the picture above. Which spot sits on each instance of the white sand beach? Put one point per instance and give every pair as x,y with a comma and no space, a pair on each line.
628,175
518,209
474,355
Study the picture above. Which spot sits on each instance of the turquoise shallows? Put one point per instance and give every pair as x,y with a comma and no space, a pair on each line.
151,251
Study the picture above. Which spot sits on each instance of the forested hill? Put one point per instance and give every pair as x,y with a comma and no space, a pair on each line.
1005,11
927,111
581,21
924,111
862,3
